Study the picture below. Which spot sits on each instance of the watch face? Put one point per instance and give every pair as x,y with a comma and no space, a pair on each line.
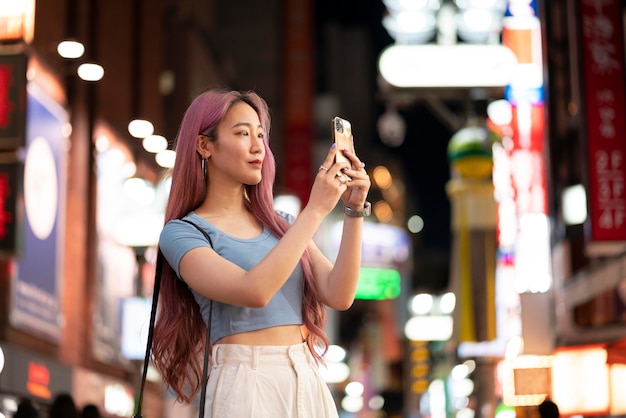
40,188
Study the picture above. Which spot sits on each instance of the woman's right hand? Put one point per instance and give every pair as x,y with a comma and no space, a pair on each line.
330,183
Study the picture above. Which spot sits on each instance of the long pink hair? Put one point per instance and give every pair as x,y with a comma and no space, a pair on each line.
180,331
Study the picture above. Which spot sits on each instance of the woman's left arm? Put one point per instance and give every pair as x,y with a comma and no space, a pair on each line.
337,283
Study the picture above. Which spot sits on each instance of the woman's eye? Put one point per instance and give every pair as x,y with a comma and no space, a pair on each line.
244,133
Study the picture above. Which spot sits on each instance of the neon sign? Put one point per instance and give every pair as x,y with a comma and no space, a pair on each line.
38,382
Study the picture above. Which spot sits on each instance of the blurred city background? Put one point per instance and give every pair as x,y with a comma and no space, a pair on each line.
494,132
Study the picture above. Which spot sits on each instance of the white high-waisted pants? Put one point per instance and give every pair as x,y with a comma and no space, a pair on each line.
266,382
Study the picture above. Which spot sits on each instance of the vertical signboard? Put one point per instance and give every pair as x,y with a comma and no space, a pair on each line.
10,190
12,101
604,88
531,240
114,280
12,134
37,282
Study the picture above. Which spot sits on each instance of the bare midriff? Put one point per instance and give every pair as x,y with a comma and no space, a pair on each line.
281,335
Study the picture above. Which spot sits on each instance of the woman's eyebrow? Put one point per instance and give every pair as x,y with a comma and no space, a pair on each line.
244,124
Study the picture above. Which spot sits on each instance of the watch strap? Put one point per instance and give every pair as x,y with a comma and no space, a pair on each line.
366,211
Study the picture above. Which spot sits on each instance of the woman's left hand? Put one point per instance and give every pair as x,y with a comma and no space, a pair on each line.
359,184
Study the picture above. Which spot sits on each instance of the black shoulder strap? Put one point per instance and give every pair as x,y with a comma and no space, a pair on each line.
208,238
207,344
155,298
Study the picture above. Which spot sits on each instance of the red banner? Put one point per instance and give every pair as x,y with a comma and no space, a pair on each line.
603,58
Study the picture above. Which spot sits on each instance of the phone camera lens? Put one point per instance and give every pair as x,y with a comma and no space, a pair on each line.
339,126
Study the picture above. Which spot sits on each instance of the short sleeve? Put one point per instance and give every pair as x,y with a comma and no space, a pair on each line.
177,239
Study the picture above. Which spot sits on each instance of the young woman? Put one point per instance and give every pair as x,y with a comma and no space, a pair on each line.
261,278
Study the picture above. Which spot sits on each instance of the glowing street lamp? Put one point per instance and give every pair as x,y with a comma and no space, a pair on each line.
140,128
90,71
70,49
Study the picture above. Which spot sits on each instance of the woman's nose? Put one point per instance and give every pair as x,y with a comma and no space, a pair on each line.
257,145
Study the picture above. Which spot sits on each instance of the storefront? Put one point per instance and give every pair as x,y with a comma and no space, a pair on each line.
113,397
25,374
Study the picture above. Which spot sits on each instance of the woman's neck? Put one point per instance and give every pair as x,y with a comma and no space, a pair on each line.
223,203
228,212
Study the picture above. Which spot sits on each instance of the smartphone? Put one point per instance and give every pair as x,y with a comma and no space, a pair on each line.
342,136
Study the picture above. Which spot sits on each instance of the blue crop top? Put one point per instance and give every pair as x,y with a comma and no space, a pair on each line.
285,308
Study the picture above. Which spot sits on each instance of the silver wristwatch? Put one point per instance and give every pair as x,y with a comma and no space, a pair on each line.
367,211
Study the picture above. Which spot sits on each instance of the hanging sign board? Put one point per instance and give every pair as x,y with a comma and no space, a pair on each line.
604,86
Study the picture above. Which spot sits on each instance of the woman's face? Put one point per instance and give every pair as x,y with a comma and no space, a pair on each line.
239,150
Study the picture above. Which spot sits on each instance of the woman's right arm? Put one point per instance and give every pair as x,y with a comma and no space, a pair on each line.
217,278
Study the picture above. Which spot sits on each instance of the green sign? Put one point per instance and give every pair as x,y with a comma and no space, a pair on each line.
378,284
